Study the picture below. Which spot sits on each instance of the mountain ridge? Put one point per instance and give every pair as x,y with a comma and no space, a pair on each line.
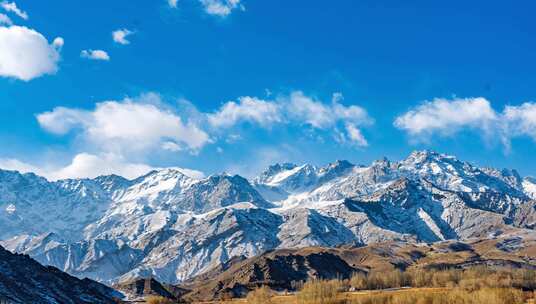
170,226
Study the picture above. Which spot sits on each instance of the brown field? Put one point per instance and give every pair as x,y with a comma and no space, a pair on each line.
401,296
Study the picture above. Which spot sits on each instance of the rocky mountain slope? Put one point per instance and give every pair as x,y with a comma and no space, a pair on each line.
285,269
173,227
142,288
23,280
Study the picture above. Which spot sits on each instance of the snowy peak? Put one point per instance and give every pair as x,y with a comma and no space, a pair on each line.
112,183
268,175
334,170
219,191
289,177
447,172
529,186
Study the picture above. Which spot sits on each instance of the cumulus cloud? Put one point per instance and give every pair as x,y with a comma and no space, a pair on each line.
90,165
12,7
296,108
134,125
118,132
521,120
321,115
221,8
445,117
4,19
173,3
249,109
62,120
121,133
25,54
95,55
120,36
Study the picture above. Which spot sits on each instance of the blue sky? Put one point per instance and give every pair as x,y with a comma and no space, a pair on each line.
219,85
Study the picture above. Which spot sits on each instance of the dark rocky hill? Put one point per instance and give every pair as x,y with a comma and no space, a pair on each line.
23,280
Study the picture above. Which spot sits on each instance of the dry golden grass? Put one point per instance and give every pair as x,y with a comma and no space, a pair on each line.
262,295
478,285
319,292
415,296
158,300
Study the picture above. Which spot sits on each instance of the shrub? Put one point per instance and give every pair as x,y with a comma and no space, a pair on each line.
319,292
262,295
457,296
359,281
158,300
470,279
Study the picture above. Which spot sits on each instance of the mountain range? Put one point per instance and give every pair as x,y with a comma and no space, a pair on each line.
173,227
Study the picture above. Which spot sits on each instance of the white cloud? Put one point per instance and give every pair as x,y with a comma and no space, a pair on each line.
4,19
221,8
86,165
119,134
447,117
17,165
95,55
173,3
62,120
172,146
90,165
26,54
320,115
249,109
296,108
83,165
12,7
58,42
120,36
521,120
355,135
128,125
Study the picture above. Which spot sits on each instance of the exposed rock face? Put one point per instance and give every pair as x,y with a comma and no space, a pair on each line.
23,280
172,227
281,270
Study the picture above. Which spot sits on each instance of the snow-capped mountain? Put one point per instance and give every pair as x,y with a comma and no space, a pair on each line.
172,227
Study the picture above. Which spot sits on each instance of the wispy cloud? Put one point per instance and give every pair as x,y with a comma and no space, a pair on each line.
12,7
4,19
221,8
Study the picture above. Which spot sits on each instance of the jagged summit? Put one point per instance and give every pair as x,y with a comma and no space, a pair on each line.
171,226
